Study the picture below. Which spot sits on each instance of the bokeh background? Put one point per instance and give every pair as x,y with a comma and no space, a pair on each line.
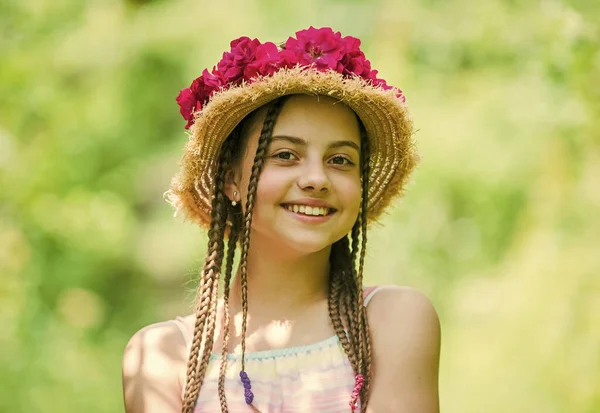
500,227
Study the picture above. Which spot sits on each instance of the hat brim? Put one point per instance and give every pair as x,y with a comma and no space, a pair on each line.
385,117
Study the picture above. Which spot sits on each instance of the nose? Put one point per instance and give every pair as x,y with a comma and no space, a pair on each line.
313,177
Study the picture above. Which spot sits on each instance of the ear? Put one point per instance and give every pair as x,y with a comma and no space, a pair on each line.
232,189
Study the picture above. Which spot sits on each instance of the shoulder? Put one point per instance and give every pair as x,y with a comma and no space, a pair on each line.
153,362
406,336
391,305
159,340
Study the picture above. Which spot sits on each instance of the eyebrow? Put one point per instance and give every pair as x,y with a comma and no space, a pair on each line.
299,141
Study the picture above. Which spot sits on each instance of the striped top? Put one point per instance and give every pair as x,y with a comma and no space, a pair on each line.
313,378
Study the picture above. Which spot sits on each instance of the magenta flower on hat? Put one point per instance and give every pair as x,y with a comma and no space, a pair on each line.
353,61
248,60
267,61
192,99
234,64
187,105
321,47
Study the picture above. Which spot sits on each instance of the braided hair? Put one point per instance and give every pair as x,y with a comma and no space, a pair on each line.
345,300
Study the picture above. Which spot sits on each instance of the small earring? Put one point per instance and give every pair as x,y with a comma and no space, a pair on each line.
234,203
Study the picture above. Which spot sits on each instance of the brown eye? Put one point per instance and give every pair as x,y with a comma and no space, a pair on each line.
287,156
341,160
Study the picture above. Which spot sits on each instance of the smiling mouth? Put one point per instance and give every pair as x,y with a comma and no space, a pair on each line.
308,210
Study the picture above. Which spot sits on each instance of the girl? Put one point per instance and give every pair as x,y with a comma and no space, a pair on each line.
295,149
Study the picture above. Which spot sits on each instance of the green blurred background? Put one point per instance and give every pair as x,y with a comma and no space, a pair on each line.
500,227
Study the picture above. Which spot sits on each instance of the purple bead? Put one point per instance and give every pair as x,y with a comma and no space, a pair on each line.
243,375
247,385
249,396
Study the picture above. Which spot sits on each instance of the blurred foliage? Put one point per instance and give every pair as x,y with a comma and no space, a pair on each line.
501,226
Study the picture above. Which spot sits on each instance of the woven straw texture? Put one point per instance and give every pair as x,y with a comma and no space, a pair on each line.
385,117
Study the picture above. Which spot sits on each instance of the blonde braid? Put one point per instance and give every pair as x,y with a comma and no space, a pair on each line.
231,247
364,350
263,143
335,302
207,291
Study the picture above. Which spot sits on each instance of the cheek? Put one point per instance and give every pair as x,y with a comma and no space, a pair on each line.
270,192
271,187
349,190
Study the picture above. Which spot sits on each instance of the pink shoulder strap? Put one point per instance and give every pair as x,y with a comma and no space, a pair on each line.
369,292
185,332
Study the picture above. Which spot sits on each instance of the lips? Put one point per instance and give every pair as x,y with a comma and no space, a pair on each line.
309,210
318,208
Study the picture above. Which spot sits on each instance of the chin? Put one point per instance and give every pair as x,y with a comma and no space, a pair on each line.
306,245
306,241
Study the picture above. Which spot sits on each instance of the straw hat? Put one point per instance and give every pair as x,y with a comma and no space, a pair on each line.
315,62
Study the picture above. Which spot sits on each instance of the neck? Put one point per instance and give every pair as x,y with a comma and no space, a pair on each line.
282,281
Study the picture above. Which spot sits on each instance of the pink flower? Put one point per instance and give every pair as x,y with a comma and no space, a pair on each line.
381,83
267,61
353,62
212,81
321,47
375,81
192,99
187,105
234,63
287,59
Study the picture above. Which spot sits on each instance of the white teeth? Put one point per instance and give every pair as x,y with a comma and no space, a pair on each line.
307,210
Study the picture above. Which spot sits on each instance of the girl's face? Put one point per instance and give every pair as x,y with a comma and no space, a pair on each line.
309,192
